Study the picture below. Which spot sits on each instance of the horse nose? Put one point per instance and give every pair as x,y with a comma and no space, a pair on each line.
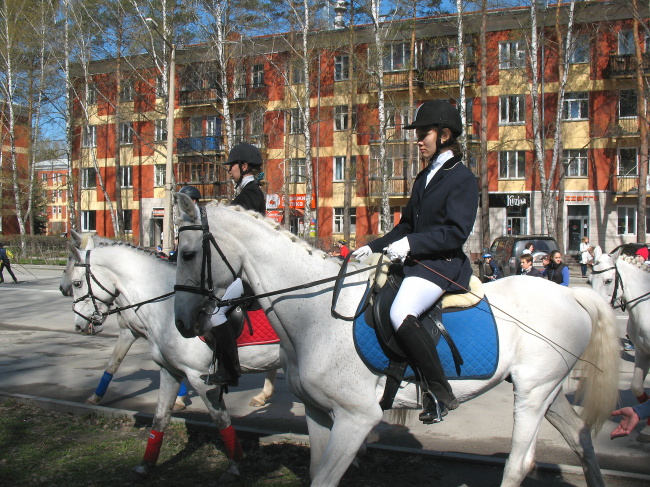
185,330
65,291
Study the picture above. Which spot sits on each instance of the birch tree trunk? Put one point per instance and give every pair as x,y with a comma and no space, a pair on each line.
485,195
642,110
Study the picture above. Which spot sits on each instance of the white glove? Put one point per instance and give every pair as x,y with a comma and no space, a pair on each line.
362,253
397,251
235,290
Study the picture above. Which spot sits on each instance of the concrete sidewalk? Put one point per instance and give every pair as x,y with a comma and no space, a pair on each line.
41,356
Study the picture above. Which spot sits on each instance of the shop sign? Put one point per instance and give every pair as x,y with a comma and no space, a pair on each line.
509,200
297,201
158,213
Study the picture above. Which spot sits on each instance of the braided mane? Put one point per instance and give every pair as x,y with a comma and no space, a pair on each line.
107,242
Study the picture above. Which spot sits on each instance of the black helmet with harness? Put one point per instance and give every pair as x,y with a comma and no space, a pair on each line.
192,192
245,153
439,113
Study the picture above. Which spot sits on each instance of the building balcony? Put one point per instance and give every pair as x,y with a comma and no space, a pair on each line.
446,75
624,185
243,93
624,66
397,188
209,96
199,144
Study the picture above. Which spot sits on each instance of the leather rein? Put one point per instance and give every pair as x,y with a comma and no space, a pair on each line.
98,316
618,281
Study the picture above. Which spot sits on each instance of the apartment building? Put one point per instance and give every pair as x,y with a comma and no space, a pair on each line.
599,124
53,177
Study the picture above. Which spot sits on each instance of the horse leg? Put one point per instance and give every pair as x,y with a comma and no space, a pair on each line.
319,425
569,423
531,404
213,400
169,386
125,339
348,434
641,365
267,390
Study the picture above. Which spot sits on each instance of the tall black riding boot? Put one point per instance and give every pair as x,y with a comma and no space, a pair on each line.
422,354
228,368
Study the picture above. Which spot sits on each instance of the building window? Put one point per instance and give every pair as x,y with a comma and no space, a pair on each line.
338,220
126,133
626,220
127,215
512,109
127,176
627,162
397,57
161,87
625,43
575,106
297,73
160,130
88,221
341,118
341,68
212,126
627,104
88,178
257,122
44,177
89,137
579,51
339,168
240,129
576,163
297,170
512,165
91,99
258,75
159,175
512,54
127,91
296,125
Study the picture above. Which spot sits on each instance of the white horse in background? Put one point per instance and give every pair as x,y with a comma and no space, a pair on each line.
538,348
619,277
125,275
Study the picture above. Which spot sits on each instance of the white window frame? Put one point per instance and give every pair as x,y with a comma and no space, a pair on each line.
91,99
625,43
126,133
397,57
338,221
342,67
623,94
239,126
159,175
576,163
128,222
627,214
579,53
297,170
160,130
297,73
342,119
127,176
636,165
296,123
338,172
512,110
127,90
89,136
518,165
257,75
512,54
577,100
86,224
88,182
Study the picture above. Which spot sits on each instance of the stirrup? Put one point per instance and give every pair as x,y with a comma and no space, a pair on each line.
429,415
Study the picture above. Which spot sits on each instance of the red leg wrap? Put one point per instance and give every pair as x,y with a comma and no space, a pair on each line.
153,446
231,442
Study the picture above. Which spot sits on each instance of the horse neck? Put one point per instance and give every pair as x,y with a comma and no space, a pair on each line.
636,282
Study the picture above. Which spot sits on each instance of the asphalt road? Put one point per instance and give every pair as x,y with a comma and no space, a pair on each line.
40,355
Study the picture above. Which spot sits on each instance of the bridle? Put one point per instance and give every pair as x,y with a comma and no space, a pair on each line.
618,281
98,316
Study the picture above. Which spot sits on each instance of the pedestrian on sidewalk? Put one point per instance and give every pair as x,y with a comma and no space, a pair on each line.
556,271
585,256
5,262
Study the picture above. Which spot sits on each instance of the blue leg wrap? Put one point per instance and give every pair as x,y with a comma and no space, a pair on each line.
103,384
183,390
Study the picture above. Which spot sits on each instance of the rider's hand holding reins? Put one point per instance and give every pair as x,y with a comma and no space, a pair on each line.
397,251
362,253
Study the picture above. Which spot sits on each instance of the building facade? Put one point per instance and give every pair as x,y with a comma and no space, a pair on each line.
53,178
599,157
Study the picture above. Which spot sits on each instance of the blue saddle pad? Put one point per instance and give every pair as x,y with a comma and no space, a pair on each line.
473,330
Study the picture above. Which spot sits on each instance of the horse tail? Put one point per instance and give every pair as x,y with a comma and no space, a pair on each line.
598,383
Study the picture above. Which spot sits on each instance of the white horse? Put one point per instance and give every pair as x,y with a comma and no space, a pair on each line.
538,348
125,275
619,278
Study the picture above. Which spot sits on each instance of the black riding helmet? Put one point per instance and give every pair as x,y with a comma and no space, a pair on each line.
191,191
245,153
438,112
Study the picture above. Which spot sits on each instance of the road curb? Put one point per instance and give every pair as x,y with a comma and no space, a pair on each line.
268,437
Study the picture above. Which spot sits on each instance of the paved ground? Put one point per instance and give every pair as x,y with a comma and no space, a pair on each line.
40,355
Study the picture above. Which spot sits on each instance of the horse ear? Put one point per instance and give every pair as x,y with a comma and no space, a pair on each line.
74,252
187,206
90,243
76,238
597,252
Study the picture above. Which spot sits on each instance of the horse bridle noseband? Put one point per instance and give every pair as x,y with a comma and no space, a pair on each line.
98,316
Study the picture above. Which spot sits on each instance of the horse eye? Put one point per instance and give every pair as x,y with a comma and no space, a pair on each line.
608,281
187,256
76,284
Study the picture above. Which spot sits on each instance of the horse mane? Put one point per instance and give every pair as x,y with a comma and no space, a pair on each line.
630,259
273,225
107,242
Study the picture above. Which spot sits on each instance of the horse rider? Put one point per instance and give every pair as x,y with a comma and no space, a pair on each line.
244,161
342,244
434,226
490,269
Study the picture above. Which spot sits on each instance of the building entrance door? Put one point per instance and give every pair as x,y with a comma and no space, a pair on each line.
578,221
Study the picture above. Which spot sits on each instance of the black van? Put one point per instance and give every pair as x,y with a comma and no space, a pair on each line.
506,251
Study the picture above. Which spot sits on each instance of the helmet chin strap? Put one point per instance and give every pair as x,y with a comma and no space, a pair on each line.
241,174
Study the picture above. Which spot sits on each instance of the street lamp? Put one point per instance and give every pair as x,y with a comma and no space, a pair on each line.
168,228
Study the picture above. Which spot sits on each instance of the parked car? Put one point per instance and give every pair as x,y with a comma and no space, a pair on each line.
507,249
628,248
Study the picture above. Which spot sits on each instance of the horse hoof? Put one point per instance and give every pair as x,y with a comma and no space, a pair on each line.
141,470
179,405
231,475
94,400
255,402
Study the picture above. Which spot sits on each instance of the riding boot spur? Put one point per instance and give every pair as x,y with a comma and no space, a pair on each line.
228,368
422,354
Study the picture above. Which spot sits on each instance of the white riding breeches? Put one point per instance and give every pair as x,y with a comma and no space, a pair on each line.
235,290
415,296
